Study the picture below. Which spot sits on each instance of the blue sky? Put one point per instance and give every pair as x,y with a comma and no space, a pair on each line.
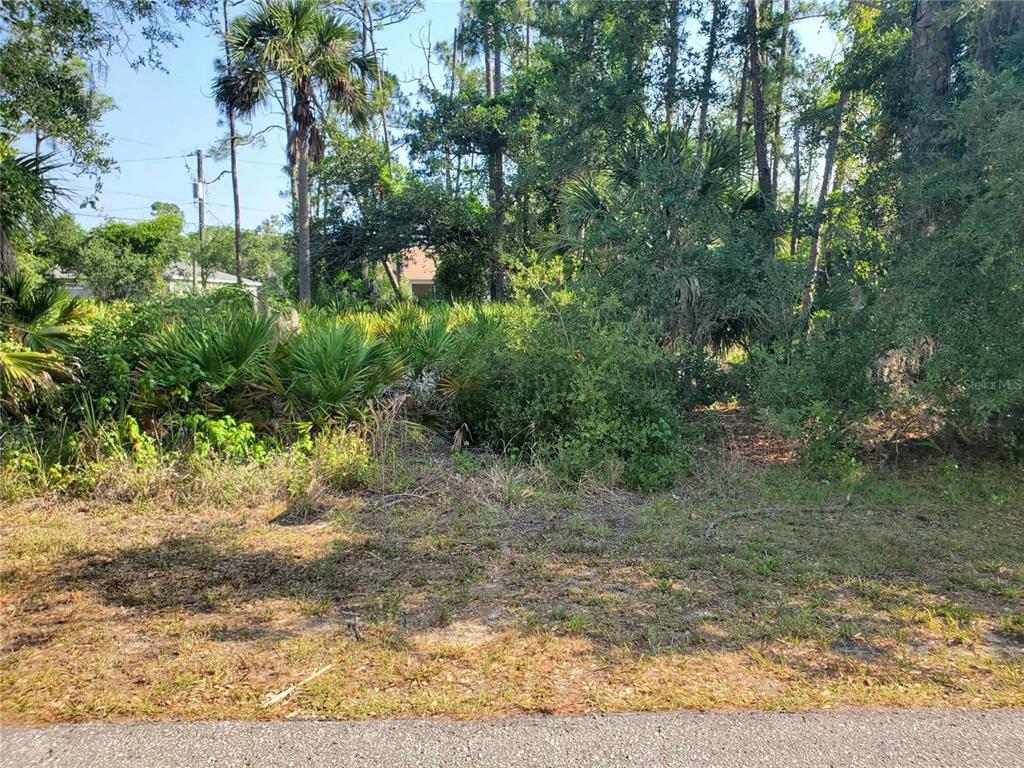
163,117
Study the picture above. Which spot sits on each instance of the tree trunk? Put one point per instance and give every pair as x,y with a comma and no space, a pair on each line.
488,62
392,277
794,237
671,73
233,135
496,169
777,119
496,60
8,262
451,95
378,60
819,211
932,44
764,172
392,274
707,82
741,102
496,173
526,30
289,130
1002,19
305,282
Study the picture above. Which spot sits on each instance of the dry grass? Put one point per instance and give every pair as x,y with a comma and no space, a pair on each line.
486,589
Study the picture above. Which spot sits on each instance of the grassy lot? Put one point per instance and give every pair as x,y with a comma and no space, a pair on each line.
484,588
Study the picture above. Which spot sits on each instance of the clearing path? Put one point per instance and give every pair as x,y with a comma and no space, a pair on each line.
874,739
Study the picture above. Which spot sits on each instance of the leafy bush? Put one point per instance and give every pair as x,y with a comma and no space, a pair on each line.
565,381
110,349
332,370
211,356
121,260
38,326
223,436
417,335
834,367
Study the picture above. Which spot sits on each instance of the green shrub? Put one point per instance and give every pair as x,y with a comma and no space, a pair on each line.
210,357
223,436
108,353
826,385
332,370
416,335
572,385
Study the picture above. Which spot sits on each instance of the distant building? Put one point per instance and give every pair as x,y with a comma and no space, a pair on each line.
177,276
419,269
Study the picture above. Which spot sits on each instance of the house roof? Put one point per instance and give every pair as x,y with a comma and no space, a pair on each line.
419,266
181,271
176,272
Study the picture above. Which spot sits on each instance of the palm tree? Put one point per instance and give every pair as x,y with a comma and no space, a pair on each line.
41,317
36,326
28,195
306,45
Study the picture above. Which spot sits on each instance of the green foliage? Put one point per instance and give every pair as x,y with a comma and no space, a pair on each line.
28,194
569,383
342,459
38,325
417,336
453,228
223,436
205,356
121,261
109,352
42,317
333,370
266,255
835,368
962,281
22,371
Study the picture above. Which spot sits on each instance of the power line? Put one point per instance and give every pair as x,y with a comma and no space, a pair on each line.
150,159
104,209
161,199
135,141
105,216
188,154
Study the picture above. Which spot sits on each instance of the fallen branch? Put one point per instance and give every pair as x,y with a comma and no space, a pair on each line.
273,699
715,522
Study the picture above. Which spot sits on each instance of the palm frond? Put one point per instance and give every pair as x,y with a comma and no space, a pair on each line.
28,192
22,371
586,199
41,316
217,355
334,370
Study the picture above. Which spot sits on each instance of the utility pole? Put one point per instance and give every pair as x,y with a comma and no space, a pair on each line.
234,158
199,193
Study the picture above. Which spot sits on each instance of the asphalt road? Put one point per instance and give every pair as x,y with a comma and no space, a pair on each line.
876,739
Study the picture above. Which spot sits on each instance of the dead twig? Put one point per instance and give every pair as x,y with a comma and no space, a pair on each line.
715,522
273,699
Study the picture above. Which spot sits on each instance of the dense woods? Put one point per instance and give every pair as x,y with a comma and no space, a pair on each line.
830,240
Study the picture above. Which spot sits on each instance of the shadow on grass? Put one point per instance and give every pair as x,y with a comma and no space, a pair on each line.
866,586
